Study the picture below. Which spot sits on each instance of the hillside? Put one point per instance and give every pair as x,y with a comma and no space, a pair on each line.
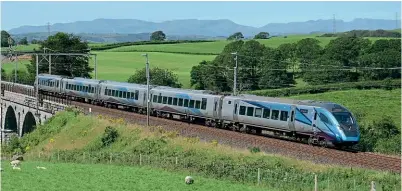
68,135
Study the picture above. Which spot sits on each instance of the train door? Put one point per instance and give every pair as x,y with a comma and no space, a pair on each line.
314,121
236,109
215,108
292,118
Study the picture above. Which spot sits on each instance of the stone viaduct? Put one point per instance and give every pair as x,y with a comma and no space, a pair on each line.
19,112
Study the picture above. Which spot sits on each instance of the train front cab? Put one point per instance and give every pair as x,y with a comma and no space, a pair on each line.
339,127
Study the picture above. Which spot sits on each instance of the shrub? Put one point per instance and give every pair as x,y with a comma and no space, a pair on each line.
254,150
382,136
109,136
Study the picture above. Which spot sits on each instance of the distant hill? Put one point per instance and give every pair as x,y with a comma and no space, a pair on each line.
119,30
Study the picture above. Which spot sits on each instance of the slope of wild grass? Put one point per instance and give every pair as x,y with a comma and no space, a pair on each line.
70,176
70,137
370,105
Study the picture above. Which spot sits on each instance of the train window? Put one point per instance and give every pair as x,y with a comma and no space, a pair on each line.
155,99
266,113
170,100
235,109
180,101
242,110
275,114
124,94
159,99
315,116
120,94
109,92
86,88
174,101
164,99
258,112
198,104
204,103
186,103
229,102
114,93
325,119
136,94
132,95
93,89
191,105
250,111
284,115
106,91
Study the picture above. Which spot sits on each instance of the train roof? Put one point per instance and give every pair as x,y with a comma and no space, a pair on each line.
330,106
51,76
126,84
179,90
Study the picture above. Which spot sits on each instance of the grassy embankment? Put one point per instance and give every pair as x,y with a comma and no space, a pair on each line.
72,137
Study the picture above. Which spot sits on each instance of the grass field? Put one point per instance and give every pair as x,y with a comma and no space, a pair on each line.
371,104
70,176
120,65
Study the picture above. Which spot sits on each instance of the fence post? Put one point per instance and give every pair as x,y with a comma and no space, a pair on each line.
372,186
258,176
140,159
83,156
176,160
315,183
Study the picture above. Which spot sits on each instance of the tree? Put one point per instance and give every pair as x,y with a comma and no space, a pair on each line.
236,36
308,49
347,49
3,74
273,72
158,36
385,59
262,35
73,66
4,38
158,76
24,41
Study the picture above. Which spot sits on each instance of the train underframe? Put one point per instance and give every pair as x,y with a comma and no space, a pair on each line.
308,138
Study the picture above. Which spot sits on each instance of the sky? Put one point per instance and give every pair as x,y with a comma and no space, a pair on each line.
257,14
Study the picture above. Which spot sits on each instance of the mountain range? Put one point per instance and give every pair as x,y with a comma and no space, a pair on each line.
205,28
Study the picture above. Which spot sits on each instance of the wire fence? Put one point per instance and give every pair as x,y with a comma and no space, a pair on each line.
271,178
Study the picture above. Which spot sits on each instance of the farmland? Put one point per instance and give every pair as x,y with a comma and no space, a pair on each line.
70,176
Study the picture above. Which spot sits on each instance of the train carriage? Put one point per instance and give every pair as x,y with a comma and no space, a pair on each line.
125,94
191,103
81,88
49,83
258,112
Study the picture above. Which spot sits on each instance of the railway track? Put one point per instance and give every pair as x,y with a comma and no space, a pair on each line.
268,145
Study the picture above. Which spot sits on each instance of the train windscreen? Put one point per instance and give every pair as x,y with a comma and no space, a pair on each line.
344,118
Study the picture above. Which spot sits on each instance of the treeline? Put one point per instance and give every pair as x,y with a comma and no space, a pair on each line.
116,45
344,59
365,33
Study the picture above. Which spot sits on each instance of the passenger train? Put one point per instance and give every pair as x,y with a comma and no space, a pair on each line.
321,123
